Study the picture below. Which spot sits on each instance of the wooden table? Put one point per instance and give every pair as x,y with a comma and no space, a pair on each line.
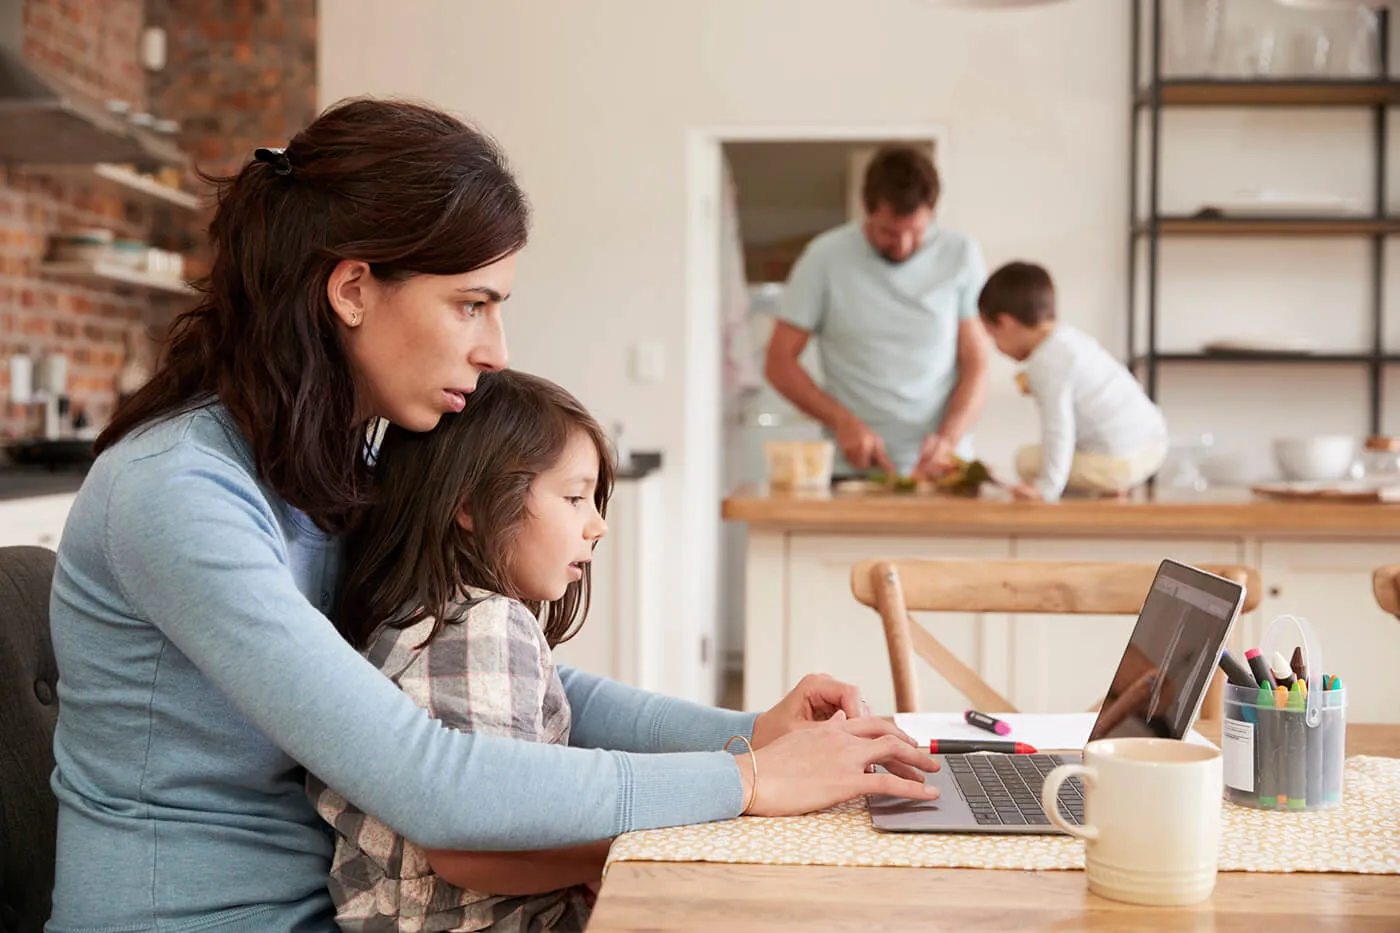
688,897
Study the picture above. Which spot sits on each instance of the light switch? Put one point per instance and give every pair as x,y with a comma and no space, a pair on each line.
648,362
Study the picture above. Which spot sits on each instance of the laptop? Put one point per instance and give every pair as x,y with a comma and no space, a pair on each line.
1156,691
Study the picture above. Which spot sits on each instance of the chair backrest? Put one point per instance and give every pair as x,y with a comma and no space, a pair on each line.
28,711
895,587
1385,583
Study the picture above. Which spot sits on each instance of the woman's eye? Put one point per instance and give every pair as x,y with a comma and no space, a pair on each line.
473,308
575,500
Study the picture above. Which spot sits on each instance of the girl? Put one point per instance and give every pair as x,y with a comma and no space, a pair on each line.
479,525
357,274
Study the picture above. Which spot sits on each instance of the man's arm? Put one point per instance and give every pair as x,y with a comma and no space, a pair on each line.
862,447
965,404
785,373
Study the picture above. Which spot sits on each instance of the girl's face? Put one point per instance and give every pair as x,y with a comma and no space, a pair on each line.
417,346
562,524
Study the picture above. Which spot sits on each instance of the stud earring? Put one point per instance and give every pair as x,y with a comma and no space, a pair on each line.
354,319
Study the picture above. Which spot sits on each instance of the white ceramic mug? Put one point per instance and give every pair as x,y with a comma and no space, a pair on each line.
1151,818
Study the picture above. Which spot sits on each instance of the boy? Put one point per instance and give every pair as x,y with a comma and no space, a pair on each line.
1099,431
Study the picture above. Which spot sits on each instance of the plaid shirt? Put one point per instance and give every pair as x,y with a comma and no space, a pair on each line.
493,673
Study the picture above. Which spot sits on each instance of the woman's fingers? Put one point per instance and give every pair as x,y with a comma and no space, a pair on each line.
871,728
882,782
908,772
891,749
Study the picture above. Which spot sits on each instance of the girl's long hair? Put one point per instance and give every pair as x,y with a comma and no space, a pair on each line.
409,558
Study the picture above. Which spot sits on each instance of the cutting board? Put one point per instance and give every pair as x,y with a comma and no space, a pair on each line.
1352,491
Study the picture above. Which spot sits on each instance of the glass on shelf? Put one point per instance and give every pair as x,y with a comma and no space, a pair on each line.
1182,469
1267,40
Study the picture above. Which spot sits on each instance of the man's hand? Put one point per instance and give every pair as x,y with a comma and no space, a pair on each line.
862,447
936,457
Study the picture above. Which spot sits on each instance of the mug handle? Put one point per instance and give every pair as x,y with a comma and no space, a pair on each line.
1049,793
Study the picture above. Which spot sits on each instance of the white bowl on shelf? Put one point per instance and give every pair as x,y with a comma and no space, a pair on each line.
1316,459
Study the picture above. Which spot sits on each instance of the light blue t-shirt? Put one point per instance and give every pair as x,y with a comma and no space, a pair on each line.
198,677
887,333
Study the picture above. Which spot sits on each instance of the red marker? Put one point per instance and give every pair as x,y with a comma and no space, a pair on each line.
965,747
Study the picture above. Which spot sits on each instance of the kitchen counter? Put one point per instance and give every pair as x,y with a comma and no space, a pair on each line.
1314,559
1226,510
24,482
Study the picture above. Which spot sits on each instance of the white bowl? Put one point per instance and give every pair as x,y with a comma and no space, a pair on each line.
1315,458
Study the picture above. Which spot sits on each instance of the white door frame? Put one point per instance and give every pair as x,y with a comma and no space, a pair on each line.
703,428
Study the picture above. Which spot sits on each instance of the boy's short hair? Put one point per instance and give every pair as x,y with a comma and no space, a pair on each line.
902,177
1021,290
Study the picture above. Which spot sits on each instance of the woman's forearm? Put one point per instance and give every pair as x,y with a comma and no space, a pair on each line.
519,873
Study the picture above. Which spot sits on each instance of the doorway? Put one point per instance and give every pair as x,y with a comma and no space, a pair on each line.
758,196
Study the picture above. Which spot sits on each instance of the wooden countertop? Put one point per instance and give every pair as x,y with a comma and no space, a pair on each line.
1220,511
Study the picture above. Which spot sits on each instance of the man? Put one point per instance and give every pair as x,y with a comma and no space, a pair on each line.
893,304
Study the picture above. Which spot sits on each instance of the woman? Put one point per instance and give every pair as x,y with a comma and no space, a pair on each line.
359,274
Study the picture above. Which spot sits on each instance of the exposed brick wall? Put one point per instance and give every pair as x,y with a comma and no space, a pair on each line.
240,74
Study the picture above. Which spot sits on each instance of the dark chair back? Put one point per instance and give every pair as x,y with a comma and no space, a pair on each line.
28,711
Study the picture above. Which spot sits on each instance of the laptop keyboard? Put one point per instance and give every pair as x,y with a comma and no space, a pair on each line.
1004,790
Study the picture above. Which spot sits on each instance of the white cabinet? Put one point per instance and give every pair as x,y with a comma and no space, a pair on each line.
1329,584
822,629
627,626
37,520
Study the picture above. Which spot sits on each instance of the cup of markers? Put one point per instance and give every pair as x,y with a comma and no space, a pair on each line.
1283,739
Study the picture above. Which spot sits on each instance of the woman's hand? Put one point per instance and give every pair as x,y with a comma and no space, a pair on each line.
829,762
815,699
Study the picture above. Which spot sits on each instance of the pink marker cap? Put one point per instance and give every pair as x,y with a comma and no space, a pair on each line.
1252,653
1002,728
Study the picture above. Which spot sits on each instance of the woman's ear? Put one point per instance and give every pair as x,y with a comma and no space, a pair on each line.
464,517
348,291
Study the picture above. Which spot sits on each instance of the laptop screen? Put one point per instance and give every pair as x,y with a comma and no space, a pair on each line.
1171,654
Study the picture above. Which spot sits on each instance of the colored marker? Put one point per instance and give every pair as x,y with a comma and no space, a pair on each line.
1297,749
1281,737
1300,670
1334,739
1266,779
1260,668
983,721
965,747
1283,676
1235,672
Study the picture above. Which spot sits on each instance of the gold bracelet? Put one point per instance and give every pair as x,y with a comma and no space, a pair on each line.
753,760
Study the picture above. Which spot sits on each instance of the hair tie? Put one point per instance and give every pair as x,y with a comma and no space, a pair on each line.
277,158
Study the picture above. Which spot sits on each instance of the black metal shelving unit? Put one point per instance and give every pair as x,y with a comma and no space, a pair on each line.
1376,94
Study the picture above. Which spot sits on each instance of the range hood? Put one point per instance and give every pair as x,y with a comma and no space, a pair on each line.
43,123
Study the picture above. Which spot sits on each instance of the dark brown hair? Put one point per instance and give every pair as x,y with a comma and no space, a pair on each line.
409,558
400,186
1020,290
902,177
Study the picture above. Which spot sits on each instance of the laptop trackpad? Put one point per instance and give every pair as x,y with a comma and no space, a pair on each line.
901,814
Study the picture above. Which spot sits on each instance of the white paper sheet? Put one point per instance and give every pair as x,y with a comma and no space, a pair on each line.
1045,731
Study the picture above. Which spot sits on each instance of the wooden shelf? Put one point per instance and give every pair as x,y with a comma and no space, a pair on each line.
1230,93
1273,226
1276,358
105,274
126,181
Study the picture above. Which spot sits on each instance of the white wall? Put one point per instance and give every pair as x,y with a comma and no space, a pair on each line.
593,101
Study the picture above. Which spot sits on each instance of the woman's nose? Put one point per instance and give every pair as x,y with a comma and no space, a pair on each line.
490,353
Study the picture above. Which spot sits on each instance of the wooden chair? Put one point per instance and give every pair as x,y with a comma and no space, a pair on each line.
1385,583
894,587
